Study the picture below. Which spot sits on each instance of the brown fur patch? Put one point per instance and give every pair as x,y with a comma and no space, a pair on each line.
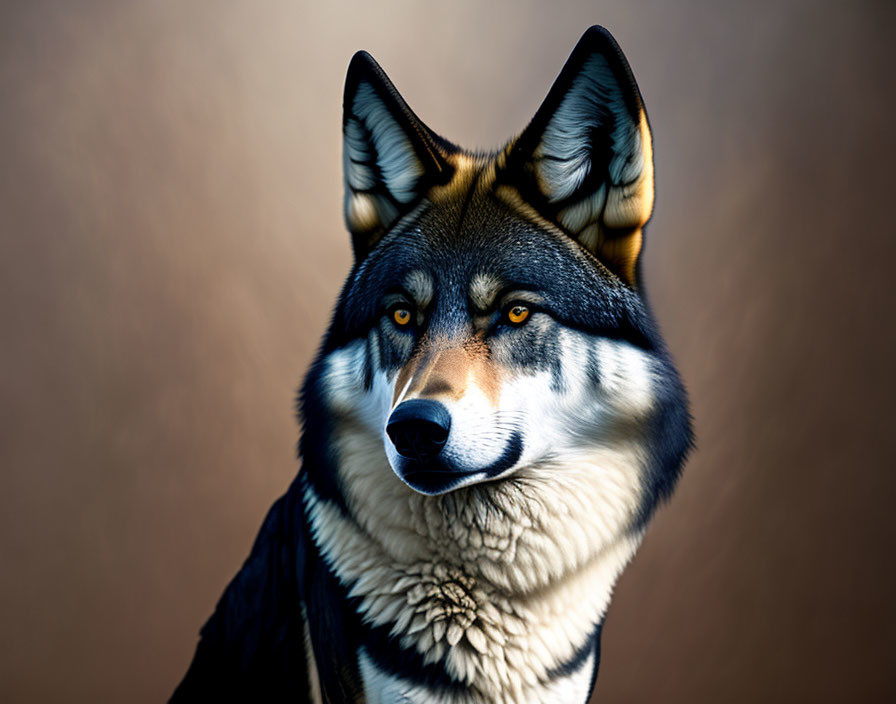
445,369
469,169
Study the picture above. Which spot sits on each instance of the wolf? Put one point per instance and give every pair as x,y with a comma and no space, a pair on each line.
490,421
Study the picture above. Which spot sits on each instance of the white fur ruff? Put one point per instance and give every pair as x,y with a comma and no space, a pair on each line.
501,582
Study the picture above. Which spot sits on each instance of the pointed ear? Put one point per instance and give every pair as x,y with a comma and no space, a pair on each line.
390,158
585,161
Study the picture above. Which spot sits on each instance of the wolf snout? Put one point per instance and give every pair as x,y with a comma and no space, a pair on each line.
419,429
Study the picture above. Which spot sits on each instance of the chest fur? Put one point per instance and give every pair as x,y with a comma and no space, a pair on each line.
446,581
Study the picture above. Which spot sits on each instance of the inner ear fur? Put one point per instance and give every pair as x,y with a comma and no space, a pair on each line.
585,161
390,158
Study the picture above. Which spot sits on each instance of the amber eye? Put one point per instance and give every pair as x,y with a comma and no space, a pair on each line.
517,314
401,316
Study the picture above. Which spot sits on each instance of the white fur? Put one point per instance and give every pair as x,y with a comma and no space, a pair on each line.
390,148
483,289
564,156
499,582
382,688
419,284
566,137
501,643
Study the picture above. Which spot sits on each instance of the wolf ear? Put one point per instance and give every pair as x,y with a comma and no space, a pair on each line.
586,161
390,158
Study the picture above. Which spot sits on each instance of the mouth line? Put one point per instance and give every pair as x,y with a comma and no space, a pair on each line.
412,472
508,458
435,479
446,472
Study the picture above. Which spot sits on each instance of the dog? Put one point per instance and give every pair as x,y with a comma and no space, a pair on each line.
489,423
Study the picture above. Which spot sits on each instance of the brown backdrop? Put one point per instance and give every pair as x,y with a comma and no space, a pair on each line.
171,245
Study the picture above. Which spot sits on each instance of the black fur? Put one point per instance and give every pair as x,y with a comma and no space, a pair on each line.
253,646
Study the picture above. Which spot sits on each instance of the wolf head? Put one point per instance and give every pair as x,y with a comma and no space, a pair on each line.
494,326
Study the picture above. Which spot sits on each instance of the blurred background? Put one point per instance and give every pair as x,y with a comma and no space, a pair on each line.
171,245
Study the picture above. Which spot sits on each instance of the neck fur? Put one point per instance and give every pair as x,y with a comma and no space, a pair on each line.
500,582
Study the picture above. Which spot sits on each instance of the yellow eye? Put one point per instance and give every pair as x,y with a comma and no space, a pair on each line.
517,314
401,316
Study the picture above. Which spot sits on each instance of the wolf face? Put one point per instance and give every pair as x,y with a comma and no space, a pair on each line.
494,313
491,418
491,344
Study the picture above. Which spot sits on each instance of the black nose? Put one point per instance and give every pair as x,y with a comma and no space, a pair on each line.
419,429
